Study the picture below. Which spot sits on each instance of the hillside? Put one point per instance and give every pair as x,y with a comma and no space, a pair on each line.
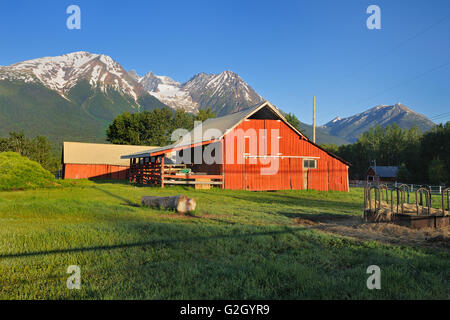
70,97
322,135
82,116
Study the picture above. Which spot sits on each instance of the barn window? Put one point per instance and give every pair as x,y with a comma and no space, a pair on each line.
310,164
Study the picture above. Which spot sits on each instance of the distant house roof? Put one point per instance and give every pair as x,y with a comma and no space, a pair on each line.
385,171
216,128
96,153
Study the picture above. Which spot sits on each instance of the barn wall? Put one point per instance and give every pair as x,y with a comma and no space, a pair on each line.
331,174
95,171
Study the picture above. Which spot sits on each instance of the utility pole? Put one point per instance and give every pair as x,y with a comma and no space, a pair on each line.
314,119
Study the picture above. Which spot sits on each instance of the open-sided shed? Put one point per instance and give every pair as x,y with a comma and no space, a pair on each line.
96,161
254,149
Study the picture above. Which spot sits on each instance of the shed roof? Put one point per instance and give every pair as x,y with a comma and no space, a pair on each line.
385,171
96,153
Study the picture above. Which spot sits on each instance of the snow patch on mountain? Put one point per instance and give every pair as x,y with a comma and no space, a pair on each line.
169,92
336,119
61,73
224,92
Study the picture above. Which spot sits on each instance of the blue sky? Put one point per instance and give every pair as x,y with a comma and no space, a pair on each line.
287,51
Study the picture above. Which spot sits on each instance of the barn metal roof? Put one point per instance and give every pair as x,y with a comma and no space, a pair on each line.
385,171
213,129
96,153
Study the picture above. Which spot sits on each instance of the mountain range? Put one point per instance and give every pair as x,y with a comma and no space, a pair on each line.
350,128
75,96
224,93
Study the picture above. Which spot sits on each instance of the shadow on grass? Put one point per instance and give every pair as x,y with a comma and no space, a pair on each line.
148,243
318,217
125,200
105,181
299,201
138,185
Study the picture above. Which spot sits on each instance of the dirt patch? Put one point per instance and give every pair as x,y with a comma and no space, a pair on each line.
389,233
440,240
305,222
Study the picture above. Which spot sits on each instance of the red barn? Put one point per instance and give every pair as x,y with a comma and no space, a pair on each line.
96,161
254,149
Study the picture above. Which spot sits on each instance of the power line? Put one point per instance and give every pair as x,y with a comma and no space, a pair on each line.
408,80
401,43
439,115
395,48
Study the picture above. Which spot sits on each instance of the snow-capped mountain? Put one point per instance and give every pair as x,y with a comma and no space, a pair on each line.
351,127
224,93
76,95
169,92
69,97
62,73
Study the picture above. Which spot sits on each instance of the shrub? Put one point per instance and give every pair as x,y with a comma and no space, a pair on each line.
20,173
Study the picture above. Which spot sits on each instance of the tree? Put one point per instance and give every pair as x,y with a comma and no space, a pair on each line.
17,142
293,120
415,153
333,148
403,174
205,114
435,144
148,128
389,146
41,152
39,149
436,171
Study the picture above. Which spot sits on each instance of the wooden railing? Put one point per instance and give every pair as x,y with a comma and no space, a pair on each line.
158,174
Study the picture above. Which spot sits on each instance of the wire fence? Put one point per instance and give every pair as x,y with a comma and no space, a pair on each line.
411,187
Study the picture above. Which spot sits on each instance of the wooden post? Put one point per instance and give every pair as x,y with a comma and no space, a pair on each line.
139,171
314,119
328,177
223,163
162,171
129,171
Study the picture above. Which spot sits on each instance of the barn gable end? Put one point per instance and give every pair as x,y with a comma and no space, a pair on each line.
330,172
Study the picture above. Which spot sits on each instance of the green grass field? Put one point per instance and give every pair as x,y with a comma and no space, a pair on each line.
237,245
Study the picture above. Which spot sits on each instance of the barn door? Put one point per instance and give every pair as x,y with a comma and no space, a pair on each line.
305,178
296,176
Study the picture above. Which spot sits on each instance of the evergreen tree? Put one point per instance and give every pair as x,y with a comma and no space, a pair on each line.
293,120
205,114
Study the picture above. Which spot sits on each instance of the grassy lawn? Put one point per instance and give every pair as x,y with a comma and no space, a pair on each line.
238,245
